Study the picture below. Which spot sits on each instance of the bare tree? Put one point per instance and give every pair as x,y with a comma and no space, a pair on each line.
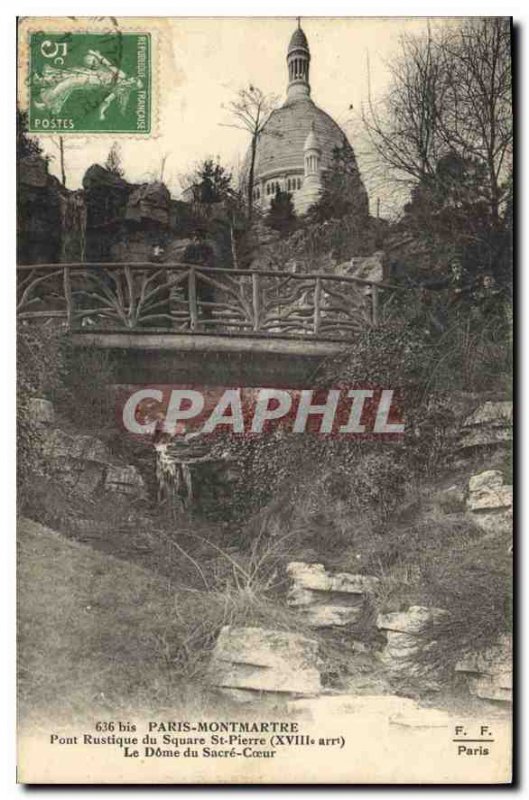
450,94
476,118
250,111
402,127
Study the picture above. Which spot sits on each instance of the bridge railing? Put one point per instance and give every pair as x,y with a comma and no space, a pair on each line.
182,297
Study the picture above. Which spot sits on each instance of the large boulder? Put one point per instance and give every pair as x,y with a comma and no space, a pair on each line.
98,178
41,411
328,600
86,464
61,445
316,578
150,201
486,491
39,213
495,414
124,480
409,640
417,620
490,502
368,268
489,425
105,195
489,672
33,171
249,661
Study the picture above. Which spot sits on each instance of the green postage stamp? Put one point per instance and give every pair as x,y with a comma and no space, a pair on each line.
90,83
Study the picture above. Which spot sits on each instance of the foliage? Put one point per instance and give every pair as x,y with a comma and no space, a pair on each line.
113,163
84,396
26,145
442,560
319,247
335,494
449,215
38,375
342,192
211,182
473,581
281,215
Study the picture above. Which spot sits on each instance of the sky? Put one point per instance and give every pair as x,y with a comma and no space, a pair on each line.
200,63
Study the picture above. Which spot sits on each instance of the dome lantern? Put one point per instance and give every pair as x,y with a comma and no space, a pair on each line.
298,60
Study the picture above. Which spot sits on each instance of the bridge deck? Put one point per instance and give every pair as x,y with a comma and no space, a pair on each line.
146,358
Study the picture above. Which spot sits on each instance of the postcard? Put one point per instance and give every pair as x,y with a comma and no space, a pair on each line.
264,400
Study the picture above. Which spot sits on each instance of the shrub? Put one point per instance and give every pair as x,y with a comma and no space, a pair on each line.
38,375
281,216
84,395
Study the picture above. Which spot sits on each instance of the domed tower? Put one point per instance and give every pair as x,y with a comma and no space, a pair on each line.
297,144
298,62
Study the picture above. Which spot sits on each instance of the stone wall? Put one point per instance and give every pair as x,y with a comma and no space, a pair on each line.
82,463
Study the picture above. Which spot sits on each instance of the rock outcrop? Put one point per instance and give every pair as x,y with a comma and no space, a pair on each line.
151,202
40,411
325,600
82,462
490,425
489,672
124,480
39,215
490,502
249,662
409,636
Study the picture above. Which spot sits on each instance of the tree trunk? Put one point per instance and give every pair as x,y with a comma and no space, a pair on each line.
61,151
251,175
233,248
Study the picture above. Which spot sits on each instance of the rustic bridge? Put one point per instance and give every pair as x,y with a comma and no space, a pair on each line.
169,321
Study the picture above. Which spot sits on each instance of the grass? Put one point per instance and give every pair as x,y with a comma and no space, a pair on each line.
89,629
100,634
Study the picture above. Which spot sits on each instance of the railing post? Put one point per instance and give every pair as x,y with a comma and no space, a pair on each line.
131,312
193,307
67,285
317,306
256,302
374,305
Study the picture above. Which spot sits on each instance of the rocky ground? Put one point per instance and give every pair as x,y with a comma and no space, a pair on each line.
325,642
